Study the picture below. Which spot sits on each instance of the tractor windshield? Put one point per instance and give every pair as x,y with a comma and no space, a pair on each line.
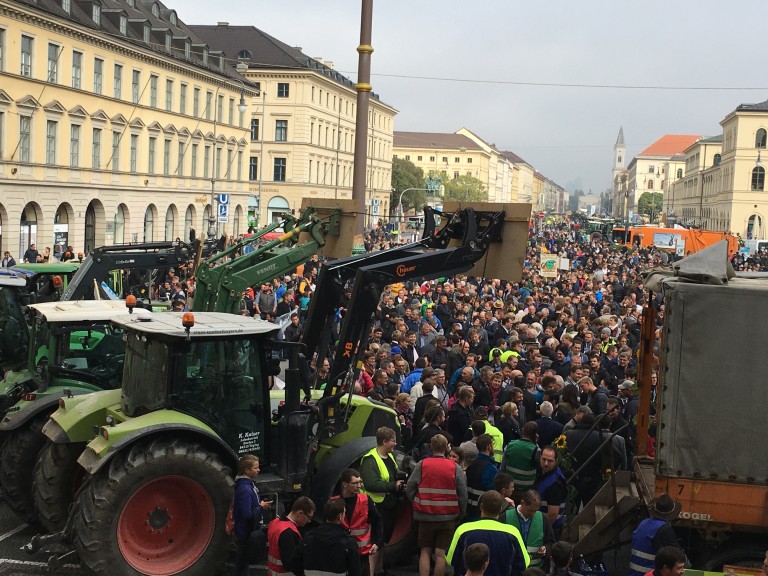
96,350
13,330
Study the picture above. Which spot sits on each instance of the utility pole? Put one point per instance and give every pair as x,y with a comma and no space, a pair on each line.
363,87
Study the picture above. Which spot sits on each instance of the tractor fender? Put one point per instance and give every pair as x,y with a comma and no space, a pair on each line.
92,460
328,472
15,420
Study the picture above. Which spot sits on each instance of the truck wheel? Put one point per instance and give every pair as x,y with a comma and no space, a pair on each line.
738,554
18,456
158,508
55,481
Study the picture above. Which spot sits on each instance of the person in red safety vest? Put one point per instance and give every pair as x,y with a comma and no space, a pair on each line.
438,490
284,538
362,518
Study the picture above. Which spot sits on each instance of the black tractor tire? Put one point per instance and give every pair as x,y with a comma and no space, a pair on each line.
159,507
748,554
55,481
17,461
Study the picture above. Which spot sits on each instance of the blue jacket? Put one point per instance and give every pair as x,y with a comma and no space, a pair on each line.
411,380
246,510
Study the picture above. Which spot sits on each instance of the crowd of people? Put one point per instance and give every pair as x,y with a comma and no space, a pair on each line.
503,390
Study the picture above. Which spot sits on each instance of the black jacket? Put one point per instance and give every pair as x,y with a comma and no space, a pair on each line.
330,548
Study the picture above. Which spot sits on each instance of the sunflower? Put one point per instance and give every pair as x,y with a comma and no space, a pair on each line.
560,443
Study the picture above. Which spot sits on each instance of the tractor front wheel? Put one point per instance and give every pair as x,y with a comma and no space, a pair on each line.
55,482
159,508
17,457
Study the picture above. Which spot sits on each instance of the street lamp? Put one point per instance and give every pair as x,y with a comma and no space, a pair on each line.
400,203
261,148
626,208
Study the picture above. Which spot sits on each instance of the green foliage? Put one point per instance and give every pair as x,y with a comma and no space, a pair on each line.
465,189
405,175
650,204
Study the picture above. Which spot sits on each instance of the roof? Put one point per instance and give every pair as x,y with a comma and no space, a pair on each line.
81,310
207,324
512,157
712,139
266,52
620,139
759,107
435,140
138,15
670,144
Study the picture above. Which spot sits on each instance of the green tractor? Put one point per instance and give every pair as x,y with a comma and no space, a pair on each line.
73,349
195,396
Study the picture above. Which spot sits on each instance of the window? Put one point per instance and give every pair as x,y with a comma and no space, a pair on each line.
206,161
187,49
180,169
245,55
281,131
679,172
231,111
98,70
135,86
53,63
173,18
196,102
115,151
407,157
650,184
208,104
469,160
168,95
50,142
66,5
445,159
155,11
717,159
117,81
217,173
2,49
123,24
74,145
77,69
431,158
96,149
456,160
25,134
96,14
193,168
26,56
228,171
151,154
167,158
183,99
282,89
456,175
758,178
220,108
147,31
760,138
153,91
134,151
419,158
279,173
253,168
239,165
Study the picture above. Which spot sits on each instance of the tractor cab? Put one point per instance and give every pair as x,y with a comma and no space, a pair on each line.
211,366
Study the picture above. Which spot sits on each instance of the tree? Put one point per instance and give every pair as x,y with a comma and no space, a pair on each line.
465,188
405,175
650,204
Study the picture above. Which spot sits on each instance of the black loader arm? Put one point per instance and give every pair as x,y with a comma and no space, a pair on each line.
98,264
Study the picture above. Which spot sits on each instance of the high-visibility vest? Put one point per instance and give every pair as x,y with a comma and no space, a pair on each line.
642,557
378,497
274,530
546,483
535,537
498,441
437,493
519,462
359,527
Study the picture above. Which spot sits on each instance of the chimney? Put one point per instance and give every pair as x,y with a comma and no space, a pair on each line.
222,24
318,58
329,64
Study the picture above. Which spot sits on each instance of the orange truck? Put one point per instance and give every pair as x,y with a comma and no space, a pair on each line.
681,241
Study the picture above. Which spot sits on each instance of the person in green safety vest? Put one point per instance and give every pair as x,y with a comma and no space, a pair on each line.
535,528
498,438
378,470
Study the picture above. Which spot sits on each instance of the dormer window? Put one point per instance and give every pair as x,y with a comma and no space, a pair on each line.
187,49
147,31
221,62
123,24
205,56
244,55
66,5
172,18
155,11
96,14
168,40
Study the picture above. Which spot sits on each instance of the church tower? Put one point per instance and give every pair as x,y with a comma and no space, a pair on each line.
619,154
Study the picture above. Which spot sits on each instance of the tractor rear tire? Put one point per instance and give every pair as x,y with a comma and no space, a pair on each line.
18,456
159,508
55,481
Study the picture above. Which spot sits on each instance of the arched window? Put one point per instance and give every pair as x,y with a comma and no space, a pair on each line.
149,224
717,159
120,215
244,55
760,138
169,222
758,178
155,10
679,172
650,184
755,227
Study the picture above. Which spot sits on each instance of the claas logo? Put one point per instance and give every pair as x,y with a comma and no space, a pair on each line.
402,270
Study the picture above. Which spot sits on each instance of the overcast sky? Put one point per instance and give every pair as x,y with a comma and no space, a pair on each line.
447,64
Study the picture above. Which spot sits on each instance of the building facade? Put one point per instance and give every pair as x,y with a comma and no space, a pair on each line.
302,136
117,124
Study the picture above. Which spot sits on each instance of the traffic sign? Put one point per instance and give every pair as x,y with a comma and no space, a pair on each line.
223,213
223,198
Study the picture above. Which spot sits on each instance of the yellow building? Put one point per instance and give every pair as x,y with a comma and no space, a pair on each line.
723,185
302,136
117,124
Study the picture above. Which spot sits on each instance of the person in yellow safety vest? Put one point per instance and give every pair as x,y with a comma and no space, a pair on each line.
521,458
284,538
498,438
378,470
535,528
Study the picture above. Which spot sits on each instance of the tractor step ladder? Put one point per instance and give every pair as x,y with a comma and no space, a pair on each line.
597,526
